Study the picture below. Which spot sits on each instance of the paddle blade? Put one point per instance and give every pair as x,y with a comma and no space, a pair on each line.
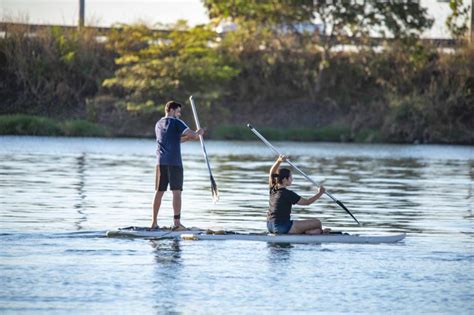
347,210
215,192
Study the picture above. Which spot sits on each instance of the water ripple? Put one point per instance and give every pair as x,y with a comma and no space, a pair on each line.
59,196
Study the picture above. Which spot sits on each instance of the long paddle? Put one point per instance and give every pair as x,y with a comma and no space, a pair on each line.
302,173
215,192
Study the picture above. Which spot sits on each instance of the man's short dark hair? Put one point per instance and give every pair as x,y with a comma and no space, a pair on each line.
172,105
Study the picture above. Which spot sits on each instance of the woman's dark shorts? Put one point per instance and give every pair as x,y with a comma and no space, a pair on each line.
171,175
280,228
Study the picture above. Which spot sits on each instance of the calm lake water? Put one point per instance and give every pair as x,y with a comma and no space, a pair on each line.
58,196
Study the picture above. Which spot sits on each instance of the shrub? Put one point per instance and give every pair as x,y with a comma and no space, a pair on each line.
42,126
29,125
333,133
83,128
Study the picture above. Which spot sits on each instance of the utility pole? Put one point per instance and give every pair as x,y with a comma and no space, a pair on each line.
472,22
82,12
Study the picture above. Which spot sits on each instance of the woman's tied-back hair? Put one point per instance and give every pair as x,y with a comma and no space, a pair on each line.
172,105
282,174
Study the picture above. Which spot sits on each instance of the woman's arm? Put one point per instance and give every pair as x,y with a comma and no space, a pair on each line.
274,168
305,202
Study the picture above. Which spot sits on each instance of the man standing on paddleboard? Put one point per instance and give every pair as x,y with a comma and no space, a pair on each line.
170,132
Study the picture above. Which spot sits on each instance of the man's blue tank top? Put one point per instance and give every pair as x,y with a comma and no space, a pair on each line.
168,132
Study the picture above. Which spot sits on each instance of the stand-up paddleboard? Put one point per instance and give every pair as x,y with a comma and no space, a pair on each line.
199,234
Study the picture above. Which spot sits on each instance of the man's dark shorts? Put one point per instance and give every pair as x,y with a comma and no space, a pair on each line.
171,175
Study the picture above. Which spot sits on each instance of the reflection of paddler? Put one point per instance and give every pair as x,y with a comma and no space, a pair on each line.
170,132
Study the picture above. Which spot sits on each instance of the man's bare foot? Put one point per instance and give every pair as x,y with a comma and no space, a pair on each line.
180,227
154,226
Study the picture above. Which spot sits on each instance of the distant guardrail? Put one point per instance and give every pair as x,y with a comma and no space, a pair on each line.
32,28
372,41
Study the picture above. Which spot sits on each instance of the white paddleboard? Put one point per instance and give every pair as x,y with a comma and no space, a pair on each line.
200,234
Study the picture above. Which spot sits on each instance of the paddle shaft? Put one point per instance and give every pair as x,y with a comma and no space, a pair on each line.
299,170
201,139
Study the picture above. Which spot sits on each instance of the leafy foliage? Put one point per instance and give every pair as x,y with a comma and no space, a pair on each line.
457,21
271,70
20,124
275,30
52,72
338,18
154,67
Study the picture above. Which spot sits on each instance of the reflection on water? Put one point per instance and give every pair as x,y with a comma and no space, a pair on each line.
80,207
167,275
59,195
167,252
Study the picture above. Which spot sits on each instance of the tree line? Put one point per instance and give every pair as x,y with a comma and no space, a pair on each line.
308,67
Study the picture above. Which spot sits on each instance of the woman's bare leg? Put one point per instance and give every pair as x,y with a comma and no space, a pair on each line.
318,231
301,226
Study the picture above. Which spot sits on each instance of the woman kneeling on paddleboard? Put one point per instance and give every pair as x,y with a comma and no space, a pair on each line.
281,201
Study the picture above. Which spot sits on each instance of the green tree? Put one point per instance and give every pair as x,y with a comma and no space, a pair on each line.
457,21
156,66
51,73
337,22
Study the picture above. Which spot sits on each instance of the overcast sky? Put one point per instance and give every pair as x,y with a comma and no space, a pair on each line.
108,12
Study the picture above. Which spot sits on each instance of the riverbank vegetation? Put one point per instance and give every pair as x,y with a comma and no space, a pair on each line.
19,124
329,83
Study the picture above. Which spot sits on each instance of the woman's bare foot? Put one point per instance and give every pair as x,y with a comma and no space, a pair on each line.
314,232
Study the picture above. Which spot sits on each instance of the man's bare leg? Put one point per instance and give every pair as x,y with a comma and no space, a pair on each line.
156,207
177,206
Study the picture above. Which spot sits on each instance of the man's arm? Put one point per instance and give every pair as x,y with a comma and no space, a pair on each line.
189,134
